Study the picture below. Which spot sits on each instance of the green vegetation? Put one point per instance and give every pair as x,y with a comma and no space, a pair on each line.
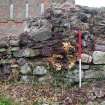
6,101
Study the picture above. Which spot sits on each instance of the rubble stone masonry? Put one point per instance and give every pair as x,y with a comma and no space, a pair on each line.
50,42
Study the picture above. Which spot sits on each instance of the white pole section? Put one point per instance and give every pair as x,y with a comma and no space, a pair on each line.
42,9
11,11
80,74
27,10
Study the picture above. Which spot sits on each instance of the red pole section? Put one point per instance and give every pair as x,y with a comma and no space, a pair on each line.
79,49
79,35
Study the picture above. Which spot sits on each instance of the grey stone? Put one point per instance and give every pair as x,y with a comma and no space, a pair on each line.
44,35
86,58
83,66
99,92
14,66
91,95
100,47
14,42
40,29
21,61
98,57
102,103
97,67
5,69
5,61
28,52
26,78
93,74
5,72
103,67
25,69
14,49
18,53
2,50
40,70
3,43
68,4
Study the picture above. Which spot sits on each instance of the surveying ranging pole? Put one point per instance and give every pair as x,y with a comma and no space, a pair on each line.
79,51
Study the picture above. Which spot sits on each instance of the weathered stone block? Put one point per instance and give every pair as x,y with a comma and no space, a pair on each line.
2,50
40,70
86,58
93,74
28,52
98,57
25,69
26,79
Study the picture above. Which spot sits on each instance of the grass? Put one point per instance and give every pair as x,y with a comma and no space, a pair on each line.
6,101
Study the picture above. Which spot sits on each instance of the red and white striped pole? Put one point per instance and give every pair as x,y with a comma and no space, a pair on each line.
79,49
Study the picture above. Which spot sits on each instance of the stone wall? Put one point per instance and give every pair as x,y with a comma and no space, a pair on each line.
46,53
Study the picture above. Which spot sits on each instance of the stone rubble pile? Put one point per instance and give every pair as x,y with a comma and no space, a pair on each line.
51,42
